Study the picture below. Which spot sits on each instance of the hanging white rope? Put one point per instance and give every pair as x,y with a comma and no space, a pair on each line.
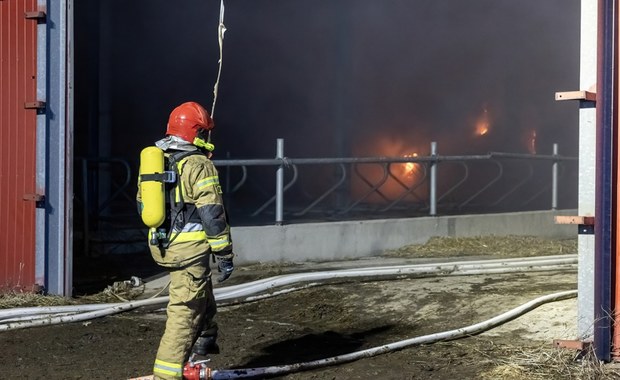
221,29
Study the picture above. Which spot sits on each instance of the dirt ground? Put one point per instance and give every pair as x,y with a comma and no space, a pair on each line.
328,320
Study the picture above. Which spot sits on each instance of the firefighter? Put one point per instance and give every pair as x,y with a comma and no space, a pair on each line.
196,226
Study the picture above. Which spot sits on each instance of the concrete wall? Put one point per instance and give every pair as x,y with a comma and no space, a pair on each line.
355,239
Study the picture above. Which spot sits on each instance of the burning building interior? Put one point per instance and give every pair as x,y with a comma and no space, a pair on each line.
333,79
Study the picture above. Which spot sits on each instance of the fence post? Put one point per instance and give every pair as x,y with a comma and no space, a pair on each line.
554,180
280,182
433,181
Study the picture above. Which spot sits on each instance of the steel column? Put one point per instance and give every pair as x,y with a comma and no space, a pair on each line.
587,145
40,213
616,225
59,148
604,237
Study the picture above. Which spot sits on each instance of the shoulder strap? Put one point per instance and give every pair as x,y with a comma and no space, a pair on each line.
177,206
176,157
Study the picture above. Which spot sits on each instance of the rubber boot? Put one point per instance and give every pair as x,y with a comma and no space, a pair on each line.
206,345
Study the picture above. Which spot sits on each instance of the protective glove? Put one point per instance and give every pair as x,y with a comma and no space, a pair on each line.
225,267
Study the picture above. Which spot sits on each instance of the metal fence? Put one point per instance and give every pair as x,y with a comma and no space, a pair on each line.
294,190
372,187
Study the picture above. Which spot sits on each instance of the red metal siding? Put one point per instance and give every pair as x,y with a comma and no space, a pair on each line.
18,71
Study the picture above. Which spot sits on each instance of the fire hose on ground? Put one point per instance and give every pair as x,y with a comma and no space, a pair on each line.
39,316
19,318
374,351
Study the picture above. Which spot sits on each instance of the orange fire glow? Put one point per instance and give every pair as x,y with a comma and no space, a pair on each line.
410,169
483,124
401,174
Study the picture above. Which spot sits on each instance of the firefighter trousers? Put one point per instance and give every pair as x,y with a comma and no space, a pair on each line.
190,313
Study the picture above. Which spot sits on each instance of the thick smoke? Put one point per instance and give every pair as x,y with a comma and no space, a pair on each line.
332,77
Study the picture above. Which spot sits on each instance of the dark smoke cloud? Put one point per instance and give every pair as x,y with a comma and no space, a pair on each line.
333,77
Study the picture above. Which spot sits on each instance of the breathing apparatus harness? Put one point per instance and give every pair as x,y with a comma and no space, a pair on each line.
178,212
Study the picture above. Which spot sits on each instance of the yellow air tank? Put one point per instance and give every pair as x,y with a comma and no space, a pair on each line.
152,188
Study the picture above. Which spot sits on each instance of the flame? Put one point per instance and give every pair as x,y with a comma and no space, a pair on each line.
531,146
410,169
483,124
406,173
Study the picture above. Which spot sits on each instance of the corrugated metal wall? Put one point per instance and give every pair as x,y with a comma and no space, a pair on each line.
18,71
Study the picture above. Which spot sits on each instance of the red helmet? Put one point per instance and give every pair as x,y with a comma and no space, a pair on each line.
187,120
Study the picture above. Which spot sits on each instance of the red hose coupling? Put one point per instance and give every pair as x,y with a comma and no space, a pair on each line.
196,371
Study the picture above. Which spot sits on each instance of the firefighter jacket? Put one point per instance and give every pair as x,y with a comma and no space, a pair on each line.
197,223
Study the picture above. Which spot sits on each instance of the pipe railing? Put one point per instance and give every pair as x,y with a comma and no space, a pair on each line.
430,168
446,184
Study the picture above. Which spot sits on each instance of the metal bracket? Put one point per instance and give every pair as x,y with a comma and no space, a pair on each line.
571,344
563,219
39,199
576,95
40,16
585,223
39,106
34,105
